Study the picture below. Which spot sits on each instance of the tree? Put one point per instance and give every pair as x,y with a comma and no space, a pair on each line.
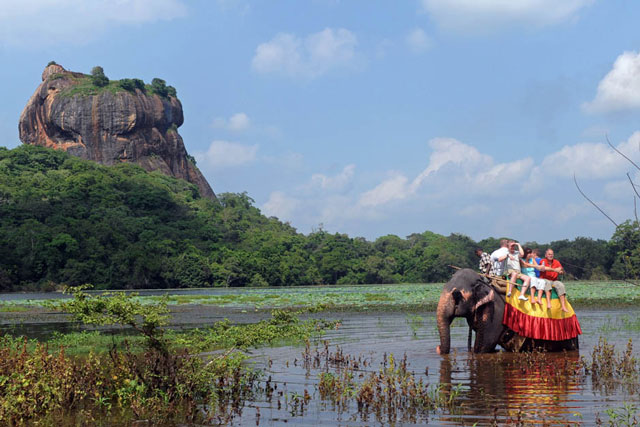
625,244
159,87
98,78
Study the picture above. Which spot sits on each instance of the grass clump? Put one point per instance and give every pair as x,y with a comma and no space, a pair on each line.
610,369
283,326
12,308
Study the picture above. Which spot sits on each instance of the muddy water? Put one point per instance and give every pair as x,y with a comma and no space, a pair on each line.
490,387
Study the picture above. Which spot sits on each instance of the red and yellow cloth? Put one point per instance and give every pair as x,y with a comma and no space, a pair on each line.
538,322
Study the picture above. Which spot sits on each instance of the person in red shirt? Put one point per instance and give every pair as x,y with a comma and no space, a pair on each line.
550,268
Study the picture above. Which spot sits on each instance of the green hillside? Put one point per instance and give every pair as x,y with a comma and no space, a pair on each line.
64,220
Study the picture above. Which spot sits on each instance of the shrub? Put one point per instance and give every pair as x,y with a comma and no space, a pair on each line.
139,84
159,87
52,63
128,84
172,91
98,78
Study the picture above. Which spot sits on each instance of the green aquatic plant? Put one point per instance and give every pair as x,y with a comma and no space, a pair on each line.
415,323
12,308
626,415
281,327
610,369
392,394
158,379
118,308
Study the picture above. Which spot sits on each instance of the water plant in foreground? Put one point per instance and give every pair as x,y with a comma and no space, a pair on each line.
161,380
392,394
609,369
627,415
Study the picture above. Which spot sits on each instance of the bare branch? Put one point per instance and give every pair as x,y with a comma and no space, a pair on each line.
633,185
590,201
619,152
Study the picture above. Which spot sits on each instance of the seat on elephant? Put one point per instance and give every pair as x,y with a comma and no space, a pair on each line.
537,321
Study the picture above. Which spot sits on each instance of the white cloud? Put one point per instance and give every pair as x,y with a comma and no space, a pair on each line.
280,206
310,57
223,154
394,188
237,123
589,160
449,151
462,189
418,41
620,88
28,23
489,15
337,182
453,168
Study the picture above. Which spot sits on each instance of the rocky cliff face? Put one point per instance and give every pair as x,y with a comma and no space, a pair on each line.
109,125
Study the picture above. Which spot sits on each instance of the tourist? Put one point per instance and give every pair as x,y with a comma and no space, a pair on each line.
535,253
485,266
499,258
530,267
514,271
551,268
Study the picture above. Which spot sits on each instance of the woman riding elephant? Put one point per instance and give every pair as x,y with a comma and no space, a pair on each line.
473,297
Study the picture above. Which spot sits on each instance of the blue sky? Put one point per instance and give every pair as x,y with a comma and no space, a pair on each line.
373,117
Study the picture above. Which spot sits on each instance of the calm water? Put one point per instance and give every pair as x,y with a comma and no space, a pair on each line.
491,386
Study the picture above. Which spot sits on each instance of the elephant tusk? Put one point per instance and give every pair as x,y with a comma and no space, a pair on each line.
484,300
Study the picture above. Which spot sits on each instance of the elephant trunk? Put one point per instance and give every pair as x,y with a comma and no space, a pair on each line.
444,316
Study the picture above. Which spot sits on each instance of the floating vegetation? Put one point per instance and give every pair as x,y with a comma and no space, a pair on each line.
418,296
625,322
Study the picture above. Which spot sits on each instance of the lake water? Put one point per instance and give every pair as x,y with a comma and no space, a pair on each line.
491,388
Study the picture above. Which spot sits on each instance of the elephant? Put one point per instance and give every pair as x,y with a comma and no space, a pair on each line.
471,296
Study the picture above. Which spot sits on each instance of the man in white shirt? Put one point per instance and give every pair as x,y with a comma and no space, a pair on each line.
499,257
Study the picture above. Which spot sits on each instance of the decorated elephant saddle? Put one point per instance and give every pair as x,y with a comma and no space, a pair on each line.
536,320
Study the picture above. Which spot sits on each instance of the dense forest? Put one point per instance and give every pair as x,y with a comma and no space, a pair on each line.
64,220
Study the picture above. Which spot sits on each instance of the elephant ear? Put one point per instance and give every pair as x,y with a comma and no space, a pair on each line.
457,296
482,294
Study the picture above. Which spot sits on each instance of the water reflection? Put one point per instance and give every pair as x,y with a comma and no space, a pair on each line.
505,387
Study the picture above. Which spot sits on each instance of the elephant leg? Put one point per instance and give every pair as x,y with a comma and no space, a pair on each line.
478,345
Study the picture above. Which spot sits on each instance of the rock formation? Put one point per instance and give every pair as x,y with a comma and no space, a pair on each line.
109,124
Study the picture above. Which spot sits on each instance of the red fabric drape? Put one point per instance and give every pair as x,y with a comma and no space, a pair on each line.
540,327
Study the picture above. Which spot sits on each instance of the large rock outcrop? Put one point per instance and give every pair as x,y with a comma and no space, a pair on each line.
109,125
